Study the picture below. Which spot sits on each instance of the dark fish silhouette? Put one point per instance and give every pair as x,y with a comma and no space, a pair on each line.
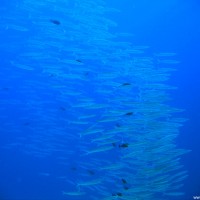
117,125
78,60
129,113
124,145
126,84
124,181
126,188
54,21
117,194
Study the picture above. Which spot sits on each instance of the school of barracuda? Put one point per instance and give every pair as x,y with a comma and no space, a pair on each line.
112,97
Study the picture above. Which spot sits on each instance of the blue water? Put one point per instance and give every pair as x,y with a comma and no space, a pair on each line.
43,147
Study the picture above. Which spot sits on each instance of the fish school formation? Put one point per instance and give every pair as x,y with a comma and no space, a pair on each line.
95,100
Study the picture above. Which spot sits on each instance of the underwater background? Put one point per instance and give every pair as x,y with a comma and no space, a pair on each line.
99,100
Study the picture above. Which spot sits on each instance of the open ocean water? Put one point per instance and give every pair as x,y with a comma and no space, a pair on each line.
99,100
